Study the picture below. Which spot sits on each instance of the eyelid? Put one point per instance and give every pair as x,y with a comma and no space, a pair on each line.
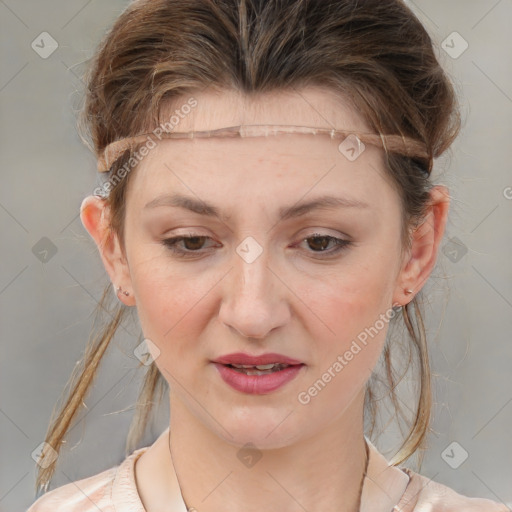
326,232
171,243
340,244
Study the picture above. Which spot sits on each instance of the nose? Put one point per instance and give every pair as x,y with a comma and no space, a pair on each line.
254,300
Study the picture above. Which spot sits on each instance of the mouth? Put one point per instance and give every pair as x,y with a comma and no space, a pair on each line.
257,374
258,379
242,360
261,369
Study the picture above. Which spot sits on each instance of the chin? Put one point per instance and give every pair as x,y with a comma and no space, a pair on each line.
266,432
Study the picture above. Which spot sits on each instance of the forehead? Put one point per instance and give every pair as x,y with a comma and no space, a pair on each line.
309,106
257,165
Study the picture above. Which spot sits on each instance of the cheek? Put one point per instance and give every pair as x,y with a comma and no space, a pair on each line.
351,317
347,351
354,327
172,308
351,296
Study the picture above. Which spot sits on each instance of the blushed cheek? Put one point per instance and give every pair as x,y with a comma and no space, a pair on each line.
172,311
351,311
347,319
351,354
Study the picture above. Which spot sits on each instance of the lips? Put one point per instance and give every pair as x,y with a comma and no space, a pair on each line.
240,358
255,382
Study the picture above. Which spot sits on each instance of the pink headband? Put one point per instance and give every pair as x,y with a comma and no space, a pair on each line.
392,143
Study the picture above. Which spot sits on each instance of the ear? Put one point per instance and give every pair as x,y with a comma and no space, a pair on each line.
95,216
426,239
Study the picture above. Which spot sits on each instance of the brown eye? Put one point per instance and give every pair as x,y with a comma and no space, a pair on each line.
192,244
319,243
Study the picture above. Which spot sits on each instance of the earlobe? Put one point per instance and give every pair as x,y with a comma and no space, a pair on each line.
426,239
95,218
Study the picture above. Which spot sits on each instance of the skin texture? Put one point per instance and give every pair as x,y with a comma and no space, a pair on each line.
290,300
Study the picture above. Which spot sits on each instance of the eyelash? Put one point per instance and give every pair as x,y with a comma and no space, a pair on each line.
171,244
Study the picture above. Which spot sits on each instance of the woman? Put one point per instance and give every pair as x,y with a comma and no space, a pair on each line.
268,211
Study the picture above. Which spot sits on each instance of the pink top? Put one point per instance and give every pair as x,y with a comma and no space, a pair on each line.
115,490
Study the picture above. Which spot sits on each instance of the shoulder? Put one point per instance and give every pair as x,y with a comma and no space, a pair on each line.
425,495
88,494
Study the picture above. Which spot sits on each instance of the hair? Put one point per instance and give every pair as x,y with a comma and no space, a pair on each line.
377,53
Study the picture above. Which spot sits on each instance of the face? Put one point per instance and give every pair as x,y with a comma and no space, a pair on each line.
311,286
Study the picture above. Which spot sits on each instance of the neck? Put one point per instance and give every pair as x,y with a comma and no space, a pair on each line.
321,472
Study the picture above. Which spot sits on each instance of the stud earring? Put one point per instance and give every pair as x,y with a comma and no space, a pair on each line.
408,291
118,289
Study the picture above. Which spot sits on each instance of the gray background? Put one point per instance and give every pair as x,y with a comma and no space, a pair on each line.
46,302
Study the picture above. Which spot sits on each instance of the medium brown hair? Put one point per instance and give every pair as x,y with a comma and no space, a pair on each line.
376,52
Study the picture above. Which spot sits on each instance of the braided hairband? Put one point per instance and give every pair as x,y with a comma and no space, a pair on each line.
391,143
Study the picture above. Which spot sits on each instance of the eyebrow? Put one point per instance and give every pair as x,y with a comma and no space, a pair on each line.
325,202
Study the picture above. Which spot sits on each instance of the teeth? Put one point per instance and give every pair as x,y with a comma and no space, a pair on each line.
266,366
257,372
259,366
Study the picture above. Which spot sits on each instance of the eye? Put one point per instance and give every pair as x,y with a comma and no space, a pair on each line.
320,242
193,244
